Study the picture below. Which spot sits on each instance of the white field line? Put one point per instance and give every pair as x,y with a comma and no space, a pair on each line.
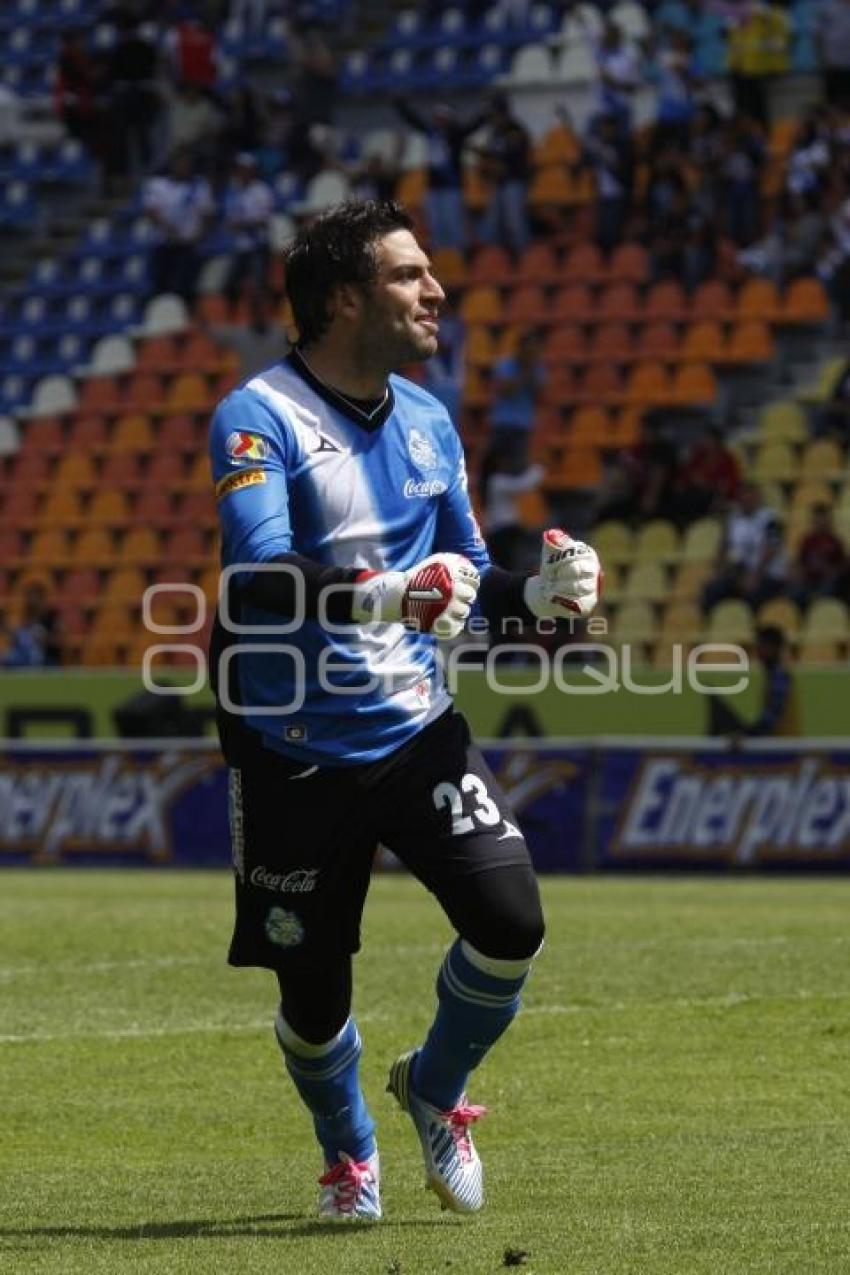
729,1000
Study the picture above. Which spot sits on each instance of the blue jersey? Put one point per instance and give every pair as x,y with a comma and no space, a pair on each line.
299,468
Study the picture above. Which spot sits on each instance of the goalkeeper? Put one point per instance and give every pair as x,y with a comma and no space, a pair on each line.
347,528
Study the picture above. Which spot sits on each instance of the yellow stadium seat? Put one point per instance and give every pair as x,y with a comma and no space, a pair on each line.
140,547
808,493
774,462
682,622
49,548
449,267
109,508
77,471
783,421
413,188
94,548
188,392
730,621
62,508
635,622
817,652
647,581
822,458
125,584
657,541
132,433
689,579
826,621
702,540
613,541
784,614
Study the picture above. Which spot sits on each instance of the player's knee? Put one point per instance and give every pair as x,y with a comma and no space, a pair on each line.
518,937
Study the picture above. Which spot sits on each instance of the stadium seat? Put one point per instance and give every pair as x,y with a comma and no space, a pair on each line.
647,581
63,508
783,421
774,462
703,342
822,458
694,385
682,622
648,386
826,621
140,547
574,303
635,622
657,541
154,507
702,540
666,301
784,614
527,305
750,343
121,471
109,508
482,305
612,343
730,621
759,300
613,541
75,471
619,303
132,433
629,263
805,302
586,264
821,390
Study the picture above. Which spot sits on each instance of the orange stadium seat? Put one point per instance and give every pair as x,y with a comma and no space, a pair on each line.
199,477
759,299
703,342
47,434
629,263
19,508
199,353
412,188
50,548
648,385
166,470
80,585
94,547
110,507
125,584
449,267
197,509
87,433
30,469
625,427
527,305
564,343
63,507
612,342
188,392
553,187
658,340
132,433
667,301
750,343
577,467
185,546
476,191
140,547
805,302
121,470
180,434
482,305
619,302
154,507
574,303
77,471
538,263
585,264
156,354
480,349
144,392
491,265
713,300
600,384
694,385
589,425
559,146
101,394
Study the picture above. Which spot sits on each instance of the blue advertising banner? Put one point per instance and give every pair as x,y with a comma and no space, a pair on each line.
610,805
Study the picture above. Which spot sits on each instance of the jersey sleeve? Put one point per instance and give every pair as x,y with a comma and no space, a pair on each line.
251,450
457,526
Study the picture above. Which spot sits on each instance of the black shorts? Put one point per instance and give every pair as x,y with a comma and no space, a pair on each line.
304,838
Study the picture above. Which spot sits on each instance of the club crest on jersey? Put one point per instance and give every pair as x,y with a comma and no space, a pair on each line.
242,447
283,928
422,451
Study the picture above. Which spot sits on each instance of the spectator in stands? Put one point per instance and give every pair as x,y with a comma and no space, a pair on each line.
192,123
259,344
243,125
78,92
190,54
821,560
314,76
778,711
180,207
289,145
35,642
607,150
253,15
518,381
753,564
506,167
833,39
810,157
677,75
640,484
707,480
759,49
446,135
377,176
135,99
794,242
705,152
740,168
248,206
618,67
508,481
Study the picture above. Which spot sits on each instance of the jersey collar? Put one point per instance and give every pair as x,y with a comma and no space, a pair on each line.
348,407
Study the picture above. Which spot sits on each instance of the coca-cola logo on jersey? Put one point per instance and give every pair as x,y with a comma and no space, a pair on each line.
299,881
427,487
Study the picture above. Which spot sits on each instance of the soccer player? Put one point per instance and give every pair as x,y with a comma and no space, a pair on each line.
347,528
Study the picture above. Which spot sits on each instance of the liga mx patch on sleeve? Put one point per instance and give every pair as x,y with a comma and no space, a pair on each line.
233,482
242,447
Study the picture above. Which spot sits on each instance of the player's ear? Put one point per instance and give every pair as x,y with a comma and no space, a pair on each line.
348,301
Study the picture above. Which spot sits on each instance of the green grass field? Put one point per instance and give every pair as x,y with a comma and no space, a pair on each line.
675,1097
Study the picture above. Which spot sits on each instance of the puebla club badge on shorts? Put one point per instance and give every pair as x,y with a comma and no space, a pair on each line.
283,928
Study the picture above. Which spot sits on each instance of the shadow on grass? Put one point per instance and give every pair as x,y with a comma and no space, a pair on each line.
206,1228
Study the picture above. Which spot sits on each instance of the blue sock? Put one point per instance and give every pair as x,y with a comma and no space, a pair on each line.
326,1077
478,1000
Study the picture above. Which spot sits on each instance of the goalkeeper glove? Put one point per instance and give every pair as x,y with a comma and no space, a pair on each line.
435,596
570,579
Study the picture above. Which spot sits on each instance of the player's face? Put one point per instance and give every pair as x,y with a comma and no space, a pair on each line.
400,313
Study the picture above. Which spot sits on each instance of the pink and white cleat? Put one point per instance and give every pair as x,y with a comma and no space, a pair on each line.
452,1167
351,1189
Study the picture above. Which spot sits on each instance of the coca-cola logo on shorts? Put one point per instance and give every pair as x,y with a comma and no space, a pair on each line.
299,881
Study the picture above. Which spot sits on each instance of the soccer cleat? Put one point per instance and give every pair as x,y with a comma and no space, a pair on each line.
452,1167
351,1189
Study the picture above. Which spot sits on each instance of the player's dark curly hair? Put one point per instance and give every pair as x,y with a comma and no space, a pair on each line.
338,247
